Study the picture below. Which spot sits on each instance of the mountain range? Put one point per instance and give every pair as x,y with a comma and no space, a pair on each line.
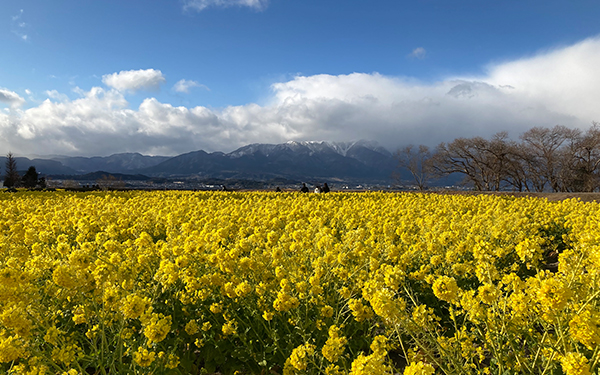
362,161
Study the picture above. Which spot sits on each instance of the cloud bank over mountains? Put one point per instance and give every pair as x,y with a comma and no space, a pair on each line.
560,86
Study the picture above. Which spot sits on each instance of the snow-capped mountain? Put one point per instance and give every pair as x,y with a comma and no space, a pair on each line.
310,161
311,147
361,160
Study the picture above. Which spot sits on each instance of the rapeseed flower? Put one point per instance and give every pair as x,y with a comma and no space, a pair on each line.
460,281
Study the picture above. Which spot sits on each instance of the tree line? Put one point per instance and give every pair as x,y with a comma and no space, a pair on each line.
557,159
31,179
13,179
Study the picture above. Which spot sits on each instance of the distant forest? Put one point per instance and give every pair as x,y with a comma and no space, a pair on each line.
557,159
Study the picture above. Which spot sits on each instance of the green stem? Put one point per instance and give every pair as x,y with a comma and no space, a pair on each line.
548,364
537,354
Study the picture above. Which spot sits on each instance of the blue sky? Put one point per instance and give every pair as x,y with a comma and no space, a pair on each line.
166,77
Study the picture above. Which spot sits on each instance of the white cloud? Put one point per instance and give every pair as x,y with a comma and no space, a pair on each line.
184,86
134,80
565,80
418,53
11,98
53,94
18,27
200,5
561,86
18,16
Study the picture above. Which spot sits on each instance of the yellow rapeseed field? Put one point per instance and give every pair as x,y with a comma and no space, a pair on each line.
290,283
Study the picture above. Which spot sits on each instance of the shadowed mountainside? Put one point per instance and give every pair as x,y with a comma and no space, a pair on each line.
299,160
360,161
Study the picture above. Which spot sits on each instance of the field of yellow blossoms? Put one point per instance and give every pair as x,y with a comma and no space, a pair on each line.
285,283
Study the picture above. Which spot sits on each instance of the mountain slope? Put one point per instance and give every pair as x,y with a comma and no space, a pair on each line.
42,166
315,162
117,163
298,160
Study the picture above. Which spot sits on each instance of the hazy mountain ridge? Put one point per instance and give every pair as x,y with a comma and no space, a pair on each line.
360,160
44,166
307,161
117,163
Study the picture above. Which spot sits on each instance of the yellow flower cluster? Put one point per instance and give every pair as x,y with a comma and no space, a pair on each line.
419,368
334,346
343,283
156,326
575,364
374,363
143,357
445,288
299,359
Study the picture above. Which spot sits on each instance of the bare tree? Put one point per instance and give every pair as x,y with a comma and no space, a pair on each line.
492,165
517,168
483,163
557,159
12,178
417,161
456,157
535,181
582,161
110,182
499,156
544,157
